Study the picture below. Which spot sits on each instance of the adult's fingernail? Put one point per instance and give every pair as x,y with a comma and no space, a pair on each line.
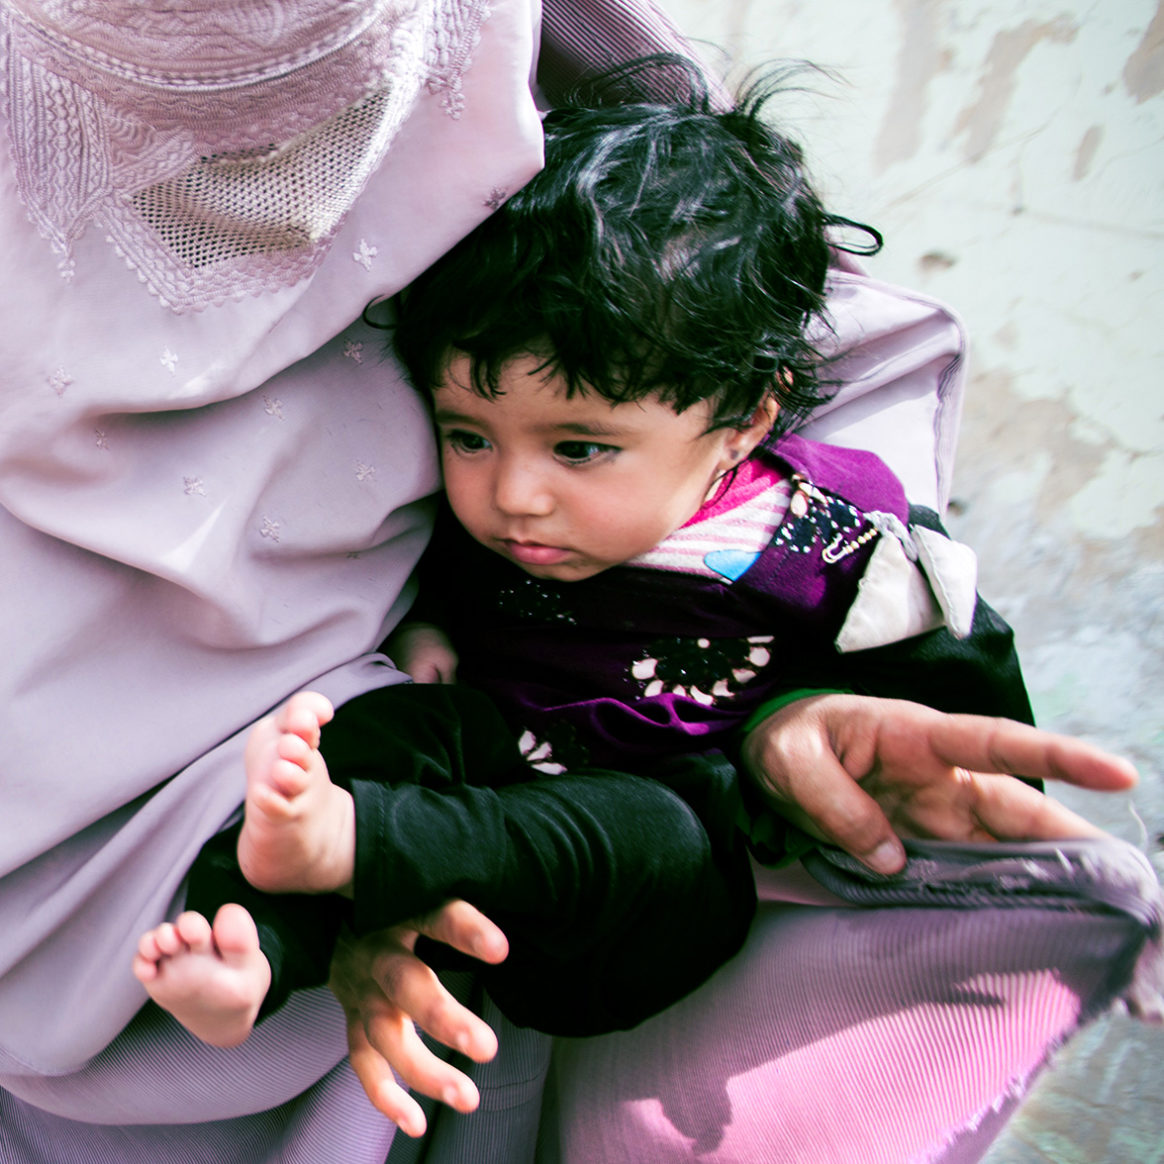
886,858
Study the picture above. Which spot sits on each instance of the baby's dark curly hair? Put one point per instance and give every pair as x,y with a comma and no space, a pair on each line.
671,250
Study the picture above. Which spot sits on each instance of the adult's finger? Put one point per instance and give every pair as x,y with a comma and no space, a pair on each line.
465,928
1012,811
374,1072
413,988
983,744
386,1037
382,1039
839,811
791,755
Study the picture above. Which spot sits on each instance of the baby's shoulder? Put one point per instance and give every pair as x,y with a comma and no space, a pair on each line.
857,476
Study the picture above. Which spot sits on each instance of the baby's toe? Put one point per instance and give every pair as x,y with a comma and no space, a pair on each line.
194,932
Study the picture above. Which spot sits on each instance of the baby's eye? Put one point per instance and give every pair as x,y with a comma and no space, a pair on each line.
462,441
582,452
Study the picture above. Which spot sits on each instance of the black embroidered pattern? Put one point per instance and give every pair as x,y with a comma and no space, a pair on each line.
700,669
814,517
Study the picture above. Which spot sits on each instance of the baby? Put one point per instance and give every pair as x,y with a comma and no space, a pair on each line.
639,563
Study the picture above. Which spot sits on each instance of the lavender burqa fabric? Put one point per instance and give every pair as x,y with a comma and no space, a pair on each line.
212,490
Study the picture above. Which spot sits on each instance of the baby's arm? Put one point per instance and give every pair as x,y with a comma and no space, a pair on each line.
423,650
420,646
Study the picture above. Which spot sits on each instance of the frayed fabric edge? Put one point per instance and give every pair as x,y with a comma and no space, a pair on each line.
1105,874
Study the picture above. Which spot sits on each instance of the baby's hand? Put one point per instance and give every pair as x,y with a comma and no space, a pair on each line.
423,651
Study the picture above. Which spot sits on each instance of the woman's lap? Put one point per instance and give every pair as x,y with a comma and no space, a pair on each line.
880,1034
841,1034
157,1095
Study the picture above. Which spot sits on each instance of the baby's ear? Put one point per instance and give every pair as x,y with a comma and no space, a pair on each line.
765,416
743,440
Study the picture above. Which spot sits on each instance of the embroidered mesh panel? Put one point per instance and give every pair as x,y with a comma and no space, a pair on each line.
244,222
219,184
254,201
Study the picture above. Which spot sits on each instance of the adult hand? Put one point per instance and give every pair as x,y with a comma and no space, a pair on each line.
860,772
384,989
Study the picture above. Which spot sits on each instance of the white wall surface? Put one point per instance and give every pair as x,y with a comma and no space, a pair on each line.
1011,154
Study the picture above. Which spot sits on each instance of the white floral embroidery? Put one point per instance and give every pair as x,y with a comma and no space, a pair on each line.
194,486
696,670
273,406
758,656
354,351
59,381
169,360
365,472
539,754
365,255
269,529
102,438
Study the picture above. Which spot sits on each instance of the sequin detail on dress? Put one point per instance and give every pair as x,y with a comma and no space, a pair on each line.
530,600
815,516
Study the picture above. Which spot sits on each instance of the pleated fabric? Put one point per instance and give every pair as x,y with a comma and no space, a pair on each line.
882,1033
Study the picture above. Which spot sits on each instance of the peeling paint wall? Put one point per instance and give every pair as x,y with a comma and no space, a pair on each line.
1011,154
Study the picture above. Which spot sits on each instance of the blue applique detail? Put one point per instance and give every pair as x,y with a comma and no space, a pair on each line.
730,564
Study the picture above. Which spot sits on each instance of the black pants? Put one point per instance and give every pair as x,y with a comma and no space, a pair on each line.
619,893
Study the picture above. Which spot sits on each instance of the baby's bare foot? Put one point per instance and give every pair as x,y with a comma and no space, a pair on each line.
299,830
212,979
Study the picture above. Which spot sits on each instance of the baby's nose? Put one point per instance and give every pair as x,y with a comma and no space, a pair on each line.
521,489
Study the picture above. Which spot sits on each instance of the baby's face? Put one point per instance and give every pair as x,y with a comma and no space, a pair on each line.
566,487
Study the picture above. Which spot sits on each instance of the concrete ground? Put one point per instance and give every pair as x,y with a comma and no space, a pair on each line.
1010,153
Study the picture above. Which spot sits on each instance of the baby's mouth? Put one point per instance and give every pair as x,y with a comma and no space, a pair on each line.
534,553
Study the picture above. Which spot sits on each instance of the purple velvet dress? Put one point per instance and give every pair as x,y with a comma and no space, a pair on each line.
673,652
